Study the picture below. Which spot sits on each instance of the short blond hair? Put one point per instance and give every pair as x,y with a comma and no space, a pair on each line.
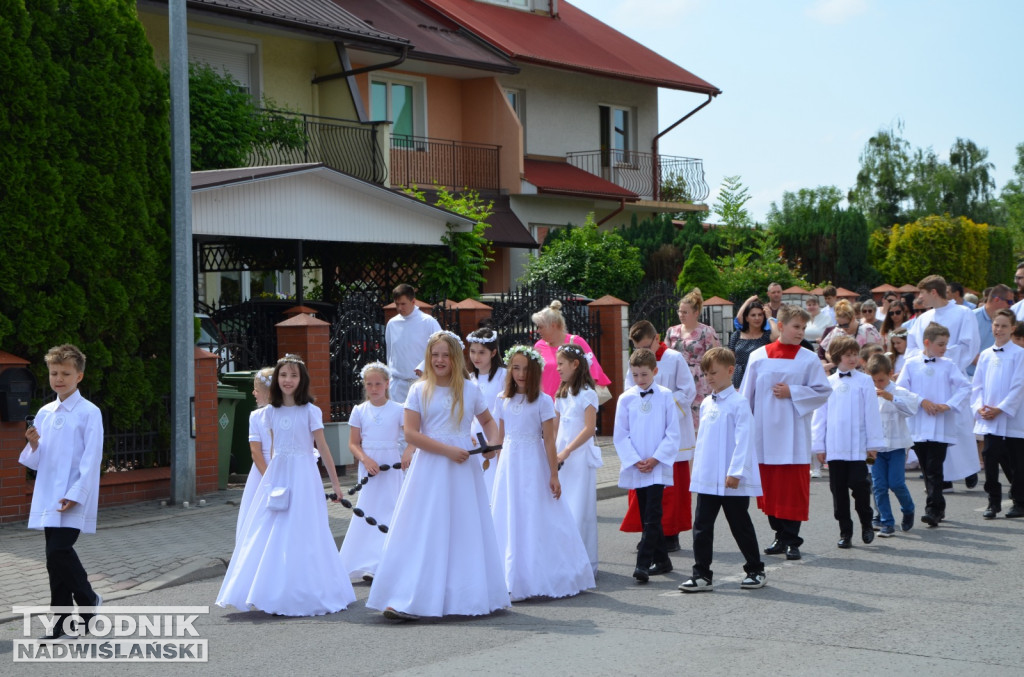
66,354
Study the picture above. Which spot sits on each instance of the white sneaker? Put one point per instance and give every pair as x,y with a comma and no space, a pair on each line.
753,581
697,584
815,472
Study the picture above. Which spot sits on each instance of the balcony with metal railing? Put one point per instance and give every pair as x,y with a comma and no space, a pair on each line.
349,146
455,165
645,173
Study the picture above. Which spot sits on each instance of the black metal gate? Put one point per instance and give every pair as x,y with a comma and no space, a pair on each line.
357,338
513,312
656,302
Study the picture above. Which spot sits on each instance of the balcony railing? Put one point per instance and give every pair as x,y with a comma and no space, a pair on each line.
647,174
346,145
421,161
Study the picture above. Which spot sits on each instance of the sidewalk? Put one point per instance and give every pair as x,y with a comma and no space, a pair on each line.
145,546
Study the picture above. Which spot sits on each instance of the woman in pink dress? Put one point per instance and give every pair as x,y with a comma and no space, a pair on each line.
693,338
551,327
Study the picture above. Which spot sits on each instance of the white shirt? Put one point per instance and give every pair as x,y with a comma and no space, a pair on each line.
941,382
645,427
675,374
830,313
490,389
782,426
437,420
406,340
1018,310
572,410
964,340
999,382
380,431
849,425
817,326
894,417
725,447
67,464
259,432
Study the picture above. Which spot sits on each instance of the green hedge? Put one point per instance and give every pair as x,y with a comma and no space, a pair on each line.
952,246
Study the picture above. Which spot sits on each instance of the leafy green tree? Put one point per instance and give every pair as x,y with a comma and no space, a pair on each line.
699,271
457,272
749,271
1001,260
84,190
882,188
729,206
589,262
952,246
229,128
1013,201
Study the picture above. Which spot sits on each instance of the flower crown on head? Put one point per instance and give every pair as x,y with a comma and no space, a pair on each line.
291,358
526,351
264,379
445,332
375,366
491,338
576,352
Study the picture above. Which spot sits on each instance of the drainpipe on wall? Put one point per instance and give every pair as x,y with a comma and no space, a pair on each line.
654,147
622,206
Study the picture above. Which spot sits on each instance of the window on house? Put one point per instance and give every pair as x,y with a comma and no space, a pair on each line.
238,59
403,102
617,136
515,99
520,4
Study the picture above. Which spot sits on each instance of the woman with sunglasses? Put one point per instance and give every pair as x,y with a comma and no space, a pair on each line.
847,324
894,319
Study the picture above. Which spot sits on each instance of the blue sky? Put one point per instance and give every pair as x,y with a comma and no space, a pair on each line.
806,83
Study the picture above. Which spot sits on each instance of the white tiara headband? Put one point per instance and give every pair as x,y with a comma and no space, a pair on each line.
445,332
526,351
491,338
292,358
577,353
375,366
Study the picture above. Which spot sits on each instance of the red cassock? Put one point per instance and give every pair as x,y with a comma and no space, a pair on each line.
676,505
787,491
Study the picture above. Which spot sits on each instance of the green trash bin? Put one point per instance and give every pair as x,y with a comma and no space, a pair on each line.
241,383
229,402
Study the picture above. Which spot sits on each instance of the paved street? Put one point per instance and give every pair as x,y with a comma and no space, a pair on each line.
943,601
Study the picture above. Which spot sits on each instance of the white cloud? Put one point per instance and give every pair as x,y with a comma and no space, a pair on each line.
836,11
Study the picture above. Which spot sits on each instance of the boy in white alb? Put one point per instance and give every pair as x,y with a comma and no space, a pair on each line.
888,473
65,448
845,433
996,396
647,440
725,474
784,384
673,373
405,339
943,389
963,346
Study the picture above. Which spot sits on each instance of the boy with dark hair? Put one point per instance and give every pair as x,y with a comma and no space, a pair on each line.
784,384
846,432
895,405
405,338
65,448
647,440
831,295
996,396
943,390
673,373
725,474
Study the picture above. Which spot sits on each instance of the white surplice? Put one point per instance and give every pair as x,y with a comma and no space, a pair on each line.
645,427
406,340
675,374
964,339
725,447
999,382
849,425
782,426
940,381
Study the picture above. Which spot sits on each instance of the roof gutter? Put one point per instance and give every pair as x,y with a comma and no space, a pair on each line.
655,165
622,206
349,72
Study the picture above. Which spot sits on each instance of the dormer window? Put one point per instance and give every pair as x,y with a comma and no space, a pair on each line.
528,5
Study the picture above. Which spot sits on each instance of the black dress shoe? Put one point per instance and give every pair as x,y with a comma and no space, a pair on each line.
867,534
792,552
659,568
776,548
991,511
1016,511
845,542
640,575
672,543
971,481
930,520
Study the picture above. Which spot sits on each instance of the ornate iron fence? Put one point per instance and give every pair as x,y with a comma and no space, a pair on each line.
644,173
417,160
513,312
357,338
656,302
349,146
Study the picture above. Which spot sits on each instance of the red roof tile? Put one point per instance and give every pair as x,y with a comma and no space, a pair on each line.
573,40
561,178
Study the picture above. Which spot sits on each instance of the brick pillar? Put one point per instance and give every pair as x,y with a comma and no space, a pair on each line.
207,442
309,338
613,317
15,490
